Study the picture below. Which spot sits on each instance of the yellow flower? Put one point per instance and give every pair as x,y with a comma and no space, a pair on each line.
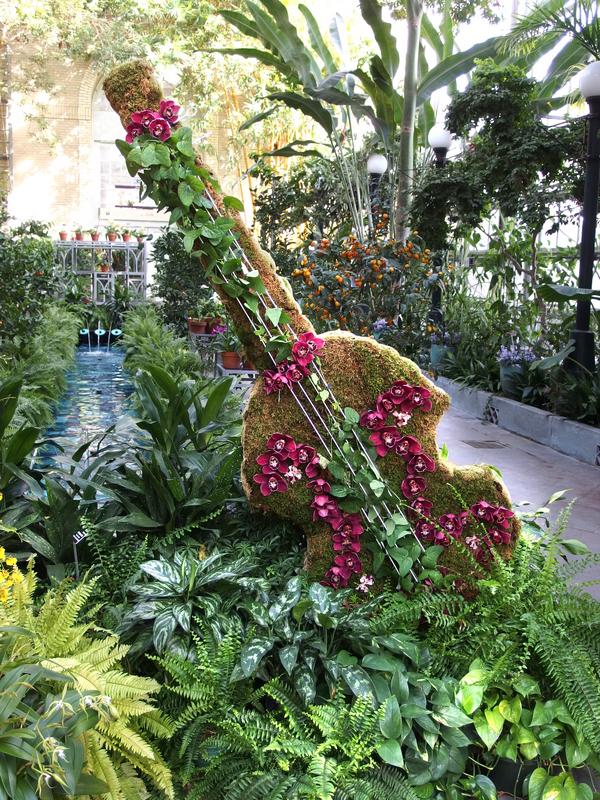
11,562
2,553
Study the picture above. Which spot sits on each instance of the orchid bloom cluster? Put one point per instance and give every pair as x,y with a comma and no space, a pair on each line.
283,464
399,402
157,123
304,351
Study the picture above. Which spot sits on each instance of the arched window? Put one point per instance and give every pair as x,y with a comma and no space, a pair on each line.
117,192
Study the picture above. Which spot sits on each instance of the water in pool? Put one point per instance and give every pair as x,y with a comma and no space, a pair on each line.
97,395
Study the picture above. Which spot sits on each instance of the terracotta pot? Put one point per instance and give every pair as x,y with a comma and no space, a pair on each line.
196,325
112,237
247,364
78,236
63,236
141,239
126,237
231,360
104,268
95,237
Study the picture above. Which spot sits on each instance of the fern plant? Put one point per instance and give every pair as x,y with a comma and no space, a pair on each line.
325,752
527,616
119,750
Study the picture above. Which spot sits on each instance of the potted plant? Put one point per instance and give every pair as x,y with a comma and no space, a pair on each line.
140,235
79,234
513,360
112,231
125,234
206,316
442,344
62,234
229,346
94,234
212,309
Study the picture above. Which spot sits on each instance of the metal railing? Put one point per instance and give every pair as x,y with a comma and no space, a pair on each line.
104,264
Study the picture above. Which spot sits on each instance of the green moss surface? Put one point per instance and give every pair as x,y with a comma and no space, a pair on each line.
358,369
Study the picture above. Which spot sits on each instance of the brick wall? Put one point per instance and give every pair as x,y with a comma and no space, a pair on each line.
53,173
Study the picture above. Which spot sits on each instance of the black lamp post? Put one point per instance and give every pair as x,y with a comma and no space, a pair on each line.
439,140
589,84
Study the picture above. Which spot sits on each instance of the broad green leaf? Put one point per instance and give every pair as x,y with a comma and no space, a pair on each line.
287,600
256,118
372,14
451,716
312,108
357,680
391,722
316,40
469,697
186,194
163,629
288,656
391,753
537,780
452,67
511,709
253,653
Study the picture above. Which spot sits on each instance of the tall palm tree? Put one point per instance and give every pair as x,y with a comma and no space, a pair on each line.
572,25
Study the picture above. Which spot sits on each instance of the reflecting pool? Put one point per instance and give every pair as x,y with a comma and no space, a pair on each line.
97,395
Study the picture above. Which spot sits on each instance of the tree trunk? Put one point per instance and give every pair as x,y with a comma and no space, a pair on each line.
414,15
4,125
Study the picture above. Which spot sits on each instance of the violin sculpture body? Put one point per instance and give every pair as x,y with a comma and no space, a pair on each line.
398,406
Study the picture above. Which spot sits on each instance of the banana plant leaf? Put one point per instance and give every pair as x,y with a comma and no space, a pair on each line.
455,65
556,293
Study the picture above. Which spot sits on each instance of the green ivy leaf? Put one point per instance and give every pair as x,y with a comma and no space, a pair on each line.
189,239
162,155
351,415
469,697
537,781
431,555
511,709
185,147
251,303
186,194
274,315
486,786
452,716
233,202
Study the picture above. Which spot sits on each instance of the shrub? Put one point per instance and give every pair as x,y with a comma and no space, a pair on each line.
117,749
178,280
28,283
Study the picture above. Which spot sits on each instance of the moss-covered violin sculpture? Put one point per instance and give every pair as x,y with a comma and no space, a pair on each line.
340,431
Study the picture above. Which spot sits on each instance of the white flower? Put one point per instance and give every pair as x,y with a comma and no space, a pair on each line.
401,418
364,583
293,474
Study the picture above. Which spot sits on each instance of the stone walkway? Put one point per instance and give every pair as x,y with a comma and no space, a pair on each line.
531,471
